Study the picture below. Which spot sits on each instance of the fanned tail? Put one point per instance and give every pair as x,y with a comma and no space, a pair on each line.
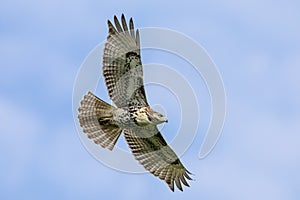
95,117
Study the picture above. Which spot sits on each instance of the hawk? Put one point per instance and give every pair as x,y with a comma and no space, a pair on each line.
104,123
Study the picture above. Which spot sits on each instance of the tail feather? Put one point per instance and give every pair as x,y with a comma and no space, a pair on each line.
95,118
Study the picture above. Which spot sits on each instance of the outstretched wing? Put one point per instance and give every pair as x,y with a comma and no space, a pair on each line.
122,66
151,150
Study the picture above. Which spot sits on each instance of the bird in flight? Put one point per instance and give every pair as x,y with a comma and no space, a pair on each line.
103,123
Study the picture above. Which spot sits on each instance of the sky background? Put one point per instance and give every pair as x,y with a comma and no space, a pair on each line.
256,47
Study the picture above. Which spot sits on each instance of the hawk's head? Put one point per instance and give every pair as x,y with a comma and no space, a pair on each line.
146,116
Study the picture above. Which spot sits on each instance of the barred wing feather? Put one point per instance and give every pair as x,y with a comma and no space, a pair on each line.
122,66
151,150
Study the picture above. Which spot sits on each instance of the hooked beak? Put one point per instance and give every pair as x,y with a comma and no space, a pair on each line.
165,119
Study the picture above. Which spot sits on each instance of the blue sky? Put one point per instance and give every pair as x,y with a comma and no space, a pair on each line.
255,45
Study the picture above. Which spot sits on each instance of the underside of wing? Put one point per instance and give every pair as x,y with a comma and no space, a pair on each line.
151,150
122,66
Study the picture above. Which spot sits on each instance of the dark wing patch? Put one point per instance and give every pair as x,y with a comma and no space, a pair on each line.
151,150
122,66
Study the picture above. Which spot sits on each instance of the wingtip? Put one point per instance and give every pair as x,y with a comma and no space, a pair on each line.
123,19
116,19
131,27
130,20
186,174
172,189
137,33
171,185
190,173
110,25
